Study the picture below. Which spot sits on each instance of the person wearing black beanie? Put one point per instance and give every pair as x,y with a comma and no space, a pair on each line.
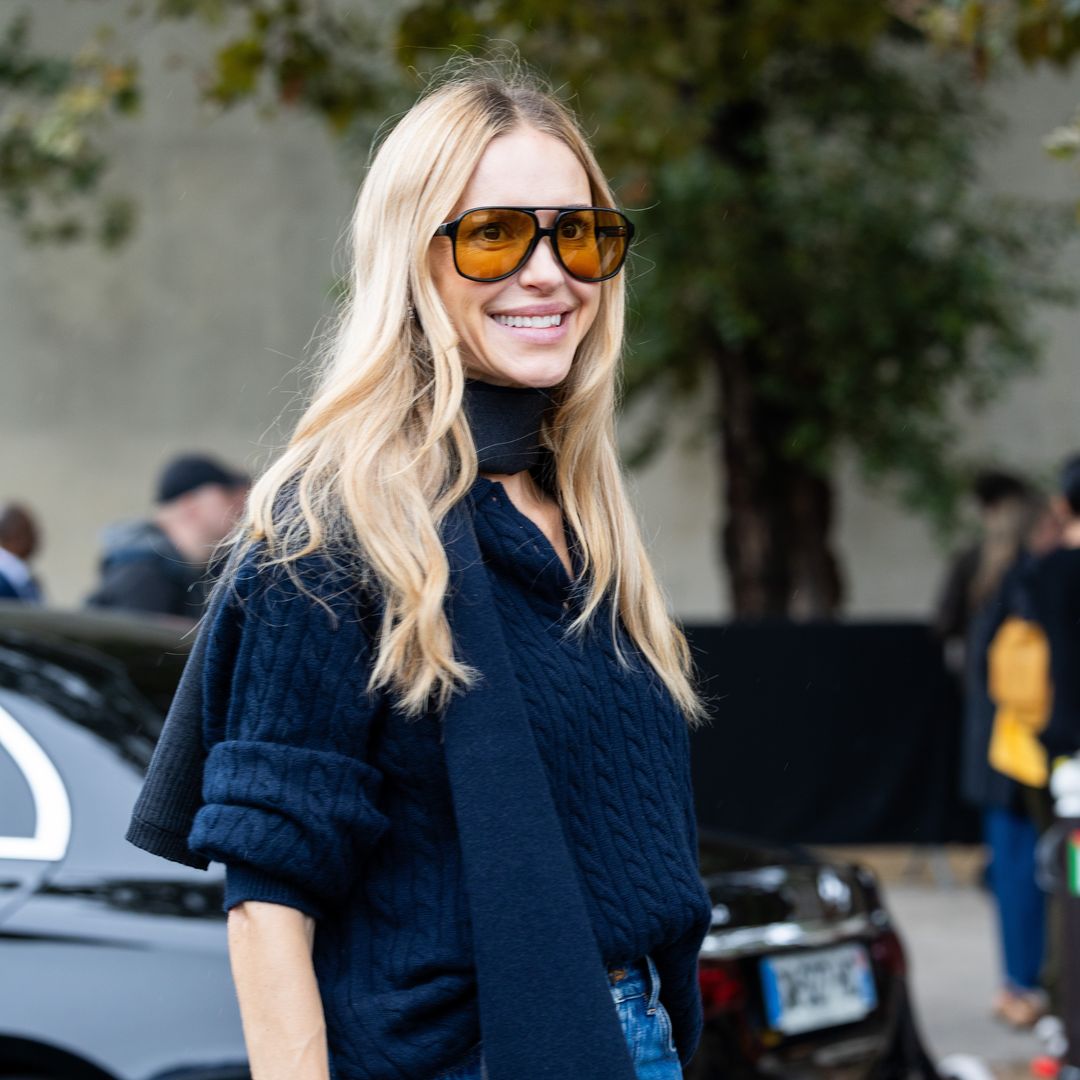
162,564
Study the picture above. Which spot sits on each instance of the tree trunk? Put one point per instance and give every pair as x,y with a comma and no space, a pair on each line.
776,539
776,543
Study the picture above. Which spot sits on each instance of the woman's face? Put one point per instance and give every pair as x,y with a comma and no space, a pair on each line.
522,168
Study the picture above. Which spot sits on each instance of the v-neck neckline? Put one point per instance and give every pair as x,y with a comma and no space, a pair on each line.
496,491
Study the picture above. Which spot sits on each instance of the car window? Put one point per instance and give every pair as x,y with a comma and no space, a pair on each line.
92,692
16,801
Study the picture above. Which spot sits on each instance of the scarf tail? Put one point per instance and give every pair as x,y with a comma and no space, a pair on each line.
530,923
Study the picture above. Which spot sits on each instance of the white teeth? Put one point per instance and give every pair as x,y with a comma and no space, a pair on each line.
528,320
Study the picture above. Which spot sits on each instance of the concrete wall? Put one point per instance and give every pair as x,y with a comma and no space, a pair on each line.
191,335
187,338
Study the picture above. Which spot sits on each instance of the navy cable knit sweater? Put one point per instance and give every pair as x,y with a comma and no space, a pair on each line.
322,797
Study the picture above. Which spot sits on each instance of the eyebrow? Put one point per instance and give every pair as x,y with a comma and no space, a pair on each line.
563,206
526,206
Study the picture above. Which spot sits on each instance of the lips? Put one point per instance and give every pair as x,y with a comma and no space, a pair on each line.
549,307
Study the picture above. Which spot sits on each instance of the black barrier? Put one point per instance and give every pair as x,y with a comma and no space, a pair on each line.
843,733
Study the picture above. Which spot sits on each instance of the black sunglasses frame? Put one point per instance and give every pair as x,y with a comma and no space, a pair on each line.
450,229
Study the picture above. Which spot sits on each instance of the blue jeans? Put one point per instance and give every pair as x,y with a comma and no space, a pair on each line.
1021,905
635,990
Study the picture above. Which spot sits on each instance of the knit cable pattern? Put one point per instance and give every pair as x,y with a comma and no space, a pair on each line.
289,801
322,797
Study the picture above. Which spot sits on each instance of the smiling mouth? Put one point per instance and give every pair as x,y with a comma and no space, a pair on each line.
535,321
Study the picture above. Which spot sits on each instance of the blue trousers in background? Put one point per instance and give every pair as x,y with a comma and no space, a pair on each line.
1021,905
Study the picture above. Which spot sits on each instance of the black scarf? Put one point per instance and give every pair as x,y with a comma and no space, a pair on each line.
506,423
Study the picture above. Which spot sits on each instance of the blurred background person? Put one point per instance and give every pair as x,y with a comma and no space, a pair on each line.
1054,585
975,573
164,564
20,541
1013,813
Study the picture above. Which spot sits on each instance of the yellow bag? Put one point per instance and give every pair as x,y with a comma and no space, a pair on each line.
1019,684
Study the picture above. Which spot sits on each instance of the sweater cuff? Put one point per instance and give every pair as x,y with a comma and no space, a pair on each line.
159,841
680,992
243,882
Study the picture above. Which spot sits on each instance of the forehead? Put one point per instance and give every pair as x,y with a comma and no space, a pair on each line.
526,168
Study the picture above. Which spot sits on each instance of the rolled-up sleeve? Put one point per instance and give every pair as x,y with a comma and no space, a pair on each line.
290,801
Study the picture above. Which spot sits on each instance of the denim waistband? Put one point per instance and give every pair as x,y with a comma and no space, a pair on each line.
636,979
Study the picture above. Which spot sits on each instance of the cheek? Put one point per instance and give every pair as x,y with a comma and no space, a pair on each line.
462,298
589,297
439,276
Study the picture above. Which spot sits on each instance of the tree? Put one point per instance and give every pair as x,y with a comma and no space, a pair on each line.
1036,31
819,264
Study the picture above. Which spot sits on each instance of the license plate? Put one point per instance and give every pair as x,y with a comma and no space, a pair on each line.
813,990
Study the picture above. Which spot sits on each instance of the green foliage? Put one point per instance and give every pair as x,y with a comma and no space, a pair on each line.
1037,31
690,56
51,156
873,290
271,53
295,53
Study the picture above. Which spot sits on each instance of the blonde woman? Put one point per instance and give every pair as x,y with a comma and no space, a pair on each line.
444,706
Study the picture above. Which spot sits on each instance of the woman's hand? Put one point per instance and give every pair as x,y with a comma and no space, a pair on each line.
284,1026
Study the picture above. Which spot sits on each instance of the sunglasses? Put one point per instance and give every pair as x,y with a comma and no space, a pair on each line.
494,242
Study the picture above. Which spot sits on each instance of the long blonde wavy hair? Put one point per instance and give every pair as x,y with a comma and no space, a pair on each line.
383,450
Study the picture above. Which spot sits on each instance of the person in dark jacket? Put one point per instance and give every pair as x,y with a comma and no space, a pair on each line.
162,564
1054,584
20,541
445,709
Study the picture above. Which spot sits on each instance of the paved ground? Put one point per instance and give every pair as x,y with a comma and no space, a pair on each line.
946,922
954,971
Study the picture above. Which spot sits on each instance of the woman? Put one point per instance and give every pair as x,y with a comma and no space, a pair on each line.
1013,814
445,708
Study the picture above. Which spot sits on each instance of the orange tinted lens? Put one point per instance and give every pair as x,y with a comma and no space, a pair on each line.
592,243
491,243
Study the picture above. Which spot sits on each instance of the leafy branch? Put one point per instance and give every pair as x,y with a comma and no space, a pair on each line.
52,156
54,124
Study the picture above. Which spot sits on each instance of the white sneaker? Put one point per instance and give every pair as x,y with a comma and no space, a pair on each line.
964,1067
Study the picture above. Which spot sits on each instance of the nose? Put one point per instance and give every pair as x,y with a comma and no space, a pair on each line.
542,271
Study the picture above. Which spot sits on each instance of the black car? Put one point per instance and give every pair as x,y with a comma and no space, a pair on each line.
802,973
114,964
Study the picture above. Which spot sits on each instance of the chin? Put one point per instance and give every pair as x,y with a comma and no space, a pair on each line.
527,370
545,379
